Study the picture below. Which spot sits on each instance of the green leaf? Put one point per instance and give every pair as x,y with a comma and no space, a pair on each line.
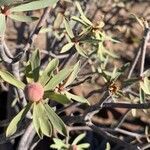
67,47
34,5
77,98
73,75
45,30
83,146
78,138
11,129
80,50
5,2
108,147
36,122
145,85
22,18
56,121
83,17
46,74
2,24
142,96
35,64
45,126
120,71
28,72
57,97
57,79
6,76
68,28
59,144
78,20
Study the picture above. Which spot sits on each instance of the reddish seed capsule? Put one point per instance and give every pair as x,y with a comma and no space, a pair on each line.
34,92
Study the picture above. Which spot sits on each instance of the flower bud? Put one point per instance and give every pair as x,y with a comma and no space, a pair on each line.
34,92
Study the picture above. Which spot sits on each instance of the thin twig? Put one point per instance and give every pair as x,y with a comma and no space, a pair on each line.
110,137
27,138
143,49
134,63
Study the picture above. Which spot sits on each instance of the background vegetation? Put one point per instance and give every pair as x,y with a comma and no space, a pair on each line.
91,58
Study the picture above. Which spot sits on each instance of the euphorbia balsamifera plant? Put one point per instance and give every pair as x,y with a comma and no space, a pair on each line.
43,85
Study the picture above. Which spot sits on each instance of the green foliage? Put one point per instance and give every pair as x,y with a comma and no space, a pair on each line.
77,98
145,85
41,121
61,145
68,29
12,128
62,99
44,117
35,65
34,5
73,74
145,82
8,77
108,147
13,10
56,121
47,72
57,79
22,17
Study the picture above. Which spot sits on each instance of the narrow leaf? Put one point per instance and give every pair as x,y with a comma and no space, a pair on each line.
73,75
6,76
66,47
145,85
34,5
57,97
22,18
142,96
45,30
78,20
45,125
44,78
108,147
77,98
83,17
78,138
68,28
36,122
56,121
11,129
57,79
35,64
80,50
83,146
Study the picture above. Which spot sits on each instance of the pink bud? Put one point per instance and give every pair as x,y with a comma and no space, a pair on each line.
34,92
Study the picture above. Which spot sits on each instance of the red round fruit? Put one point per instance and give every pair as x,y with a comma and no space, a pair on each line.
34,92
